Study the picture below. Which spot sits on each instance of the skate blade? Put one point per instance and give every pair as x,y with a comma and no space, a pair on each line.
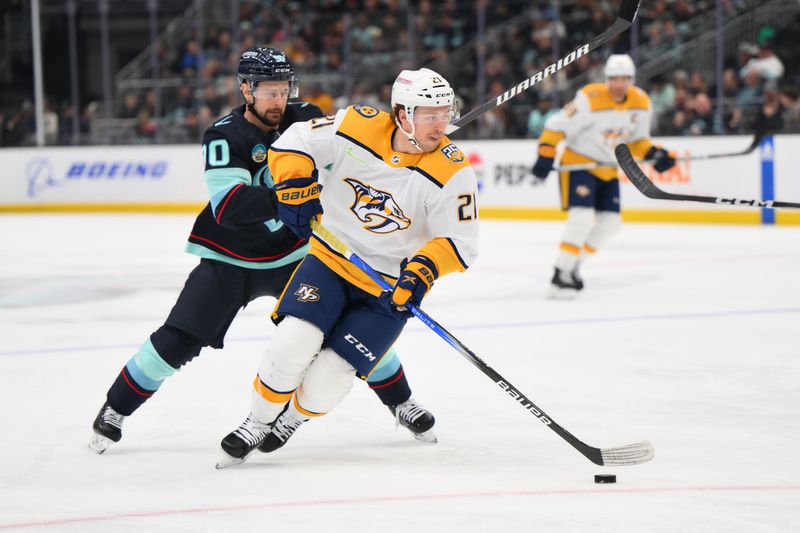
227,461
99,443
557,293
426,436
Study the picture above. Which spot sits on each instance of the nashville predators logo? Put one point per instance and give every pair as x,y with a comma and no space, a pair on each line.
377,209
306,293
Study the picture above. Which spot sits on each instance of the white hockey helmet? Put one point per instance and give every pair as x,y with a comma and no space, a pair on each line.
423,87
619,65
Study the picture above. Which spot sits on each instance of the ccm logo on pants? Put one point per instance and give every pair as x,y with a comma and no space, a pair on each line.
360,347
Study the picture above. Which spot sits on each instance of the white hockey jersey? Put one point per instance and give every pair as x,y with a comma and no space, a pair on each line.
593,124
384,205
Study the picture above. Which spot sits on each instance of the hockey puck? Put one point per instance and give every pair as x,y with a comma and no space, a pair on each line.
605,478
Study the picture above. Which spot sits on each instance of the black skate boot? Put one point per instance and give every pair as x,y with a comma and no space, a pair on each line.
107,428
564,285
282,429
239,443
416,419
577,280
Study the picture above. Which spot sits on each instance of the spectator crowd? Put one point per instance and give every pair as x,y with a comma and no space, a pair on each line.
348,51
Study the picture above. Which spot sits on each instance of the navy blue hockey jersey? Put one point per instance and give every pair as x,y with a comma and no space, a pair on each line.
240,224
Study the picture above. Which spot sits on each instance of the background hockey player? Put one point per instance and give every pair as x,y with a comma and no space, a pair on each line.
601,116
246,251
402,197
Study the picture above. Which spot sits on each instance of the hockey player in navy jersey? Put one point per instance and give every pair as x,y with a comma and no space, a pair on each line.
245,251
399,194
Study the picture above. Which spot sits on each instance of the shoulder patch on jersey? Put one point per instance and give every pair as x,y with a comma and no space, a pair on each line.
442,164
452,153
259,153
365,111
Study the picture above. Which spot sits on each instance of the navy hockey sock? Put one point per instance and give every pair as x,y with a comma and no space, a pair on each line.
126,395
394,389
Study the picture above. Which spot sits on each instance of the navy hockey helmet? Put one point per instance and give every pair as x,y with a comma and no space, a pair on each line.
262,63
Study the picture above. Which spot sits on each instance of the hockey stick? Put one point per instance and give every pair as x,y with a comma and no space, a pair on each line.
649,189
626,14
758,136
631,454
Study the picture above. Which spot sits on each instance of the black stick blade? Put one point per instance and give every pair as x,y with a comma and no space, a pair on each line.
634,172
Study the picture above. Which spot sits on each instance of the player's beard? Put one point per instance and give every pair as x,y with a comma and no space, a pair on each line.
271,117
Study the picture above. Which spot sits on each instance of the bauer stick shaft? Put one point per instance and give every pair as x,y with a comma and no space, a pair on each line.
649,189
625,15
624,455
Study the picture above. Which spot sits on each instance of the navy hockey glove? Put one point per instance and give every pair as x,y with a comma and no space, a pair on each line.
298,203
544,164
416,278
662,159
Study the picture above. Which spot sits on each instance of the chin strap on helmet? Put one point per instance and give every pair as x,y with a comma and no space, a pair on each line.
409,134
422,87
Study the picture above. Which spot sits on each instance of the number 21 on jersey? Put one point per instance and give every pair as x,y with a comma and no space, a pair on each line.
467,207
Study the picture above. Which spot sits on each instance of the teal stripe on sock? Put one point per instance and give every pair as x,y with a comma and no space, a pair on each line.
148,368
140,378
206,253
386,368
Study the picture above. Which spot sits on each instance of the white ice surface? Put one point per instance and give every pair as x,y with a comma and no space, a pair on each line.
688,336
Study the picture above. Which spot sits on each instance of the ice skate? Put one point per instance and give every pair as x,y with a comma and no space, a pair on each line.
564,285
577,279
283,428
241,442
418,420
107,428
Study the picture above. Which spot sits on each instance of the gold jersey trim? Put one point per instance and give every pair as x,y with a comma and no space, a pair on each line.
375,133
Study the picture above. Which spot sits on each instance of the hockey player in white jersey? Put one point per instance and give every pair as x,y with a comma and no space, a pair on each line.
399,194
601,116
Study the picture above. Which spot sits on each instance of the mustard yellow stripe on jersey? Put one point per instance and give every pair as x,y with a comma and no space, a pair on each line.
373,130
571,157
564,189
600,99
551,137
288,164
640,148
345,269
444,255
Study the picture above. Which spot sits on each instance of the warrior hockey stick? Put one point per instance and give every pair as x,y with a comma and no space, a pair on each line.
625,16
631,454
757,138
649,189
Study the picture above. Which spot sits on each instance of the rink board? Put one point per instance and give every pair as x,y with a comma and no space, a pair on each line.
168,178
